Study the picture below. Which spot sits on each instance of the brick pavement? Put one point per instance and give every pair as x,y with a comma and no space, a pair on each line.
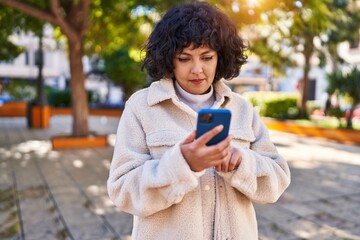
47,194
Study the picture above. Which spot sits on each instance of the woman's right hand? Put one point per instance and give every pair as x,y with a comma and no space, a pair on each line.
199,156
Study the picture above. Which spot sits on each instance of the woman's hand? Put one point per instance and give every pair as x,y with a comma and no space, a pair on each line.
231,163
199,156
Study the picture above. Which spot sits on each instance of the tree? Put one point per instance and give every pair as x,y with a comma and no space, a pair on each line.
124,71
247,13
351,87
118,33
287,29
347,84
270,48
312,20
12,21
113,24
72,17
346,28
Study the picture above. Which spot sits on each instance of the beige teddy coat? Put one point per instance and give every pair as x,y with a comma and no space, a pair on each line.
150,178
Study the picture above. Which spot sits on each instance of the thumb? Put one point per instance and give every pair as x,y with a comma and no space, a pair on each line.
190,138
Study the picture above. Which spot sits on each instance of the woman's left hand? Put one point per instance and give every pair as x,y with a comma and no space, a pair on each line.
231,163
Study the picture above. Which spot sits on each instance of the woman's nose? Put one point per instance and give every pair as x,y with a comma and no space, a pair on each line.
197,68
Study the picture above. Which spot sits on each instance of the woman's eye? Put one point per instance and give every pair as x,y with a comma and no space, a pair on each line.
207,58
183,59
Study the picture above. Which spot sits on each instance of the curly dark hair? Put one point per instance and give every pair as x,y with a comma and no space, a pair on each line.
197,23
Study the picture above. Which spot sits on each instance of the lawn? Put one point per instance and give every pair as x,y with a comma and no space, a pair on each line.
328,122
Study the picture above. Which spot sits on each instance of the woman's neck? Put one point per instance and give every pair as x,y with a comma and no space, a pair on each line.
196,102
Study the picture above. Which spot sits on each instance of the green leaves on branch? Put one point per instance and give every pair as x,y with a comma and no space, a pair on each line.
124,71
346,84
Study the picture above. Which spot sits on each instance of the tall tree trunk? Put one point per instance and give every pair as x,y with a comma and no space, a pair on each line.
305,89
349,119
308,51
79,98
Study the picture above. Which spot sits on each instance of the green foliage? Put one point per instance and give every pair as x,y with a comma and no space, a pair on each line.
274,104
25,90
21,90
62,98
346,84
121,23
8,50
351,85
124,71
12,21
59,98
335,112
334,82
312,106
345,27
111,26
245,13
273,57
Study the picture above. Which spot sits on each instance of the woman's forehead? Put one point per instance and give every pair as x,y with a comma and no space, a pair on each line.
191,48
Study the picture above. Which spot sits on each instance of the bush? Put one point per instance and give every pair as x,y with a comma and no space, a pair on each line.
59,98
25,90
335,112
312,106
62,98
21,90
274,104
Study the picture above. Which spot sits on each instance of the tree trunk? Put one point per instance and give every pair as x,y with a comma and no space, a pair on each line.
308,51
305,90
73,19
79,97
349,119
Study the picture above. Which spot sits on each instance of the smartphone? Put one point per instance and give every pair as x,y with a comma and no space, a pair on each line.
210,118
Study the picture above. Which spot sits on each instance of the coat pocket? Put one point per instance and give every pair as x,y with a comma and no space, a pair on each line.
160,141
242,137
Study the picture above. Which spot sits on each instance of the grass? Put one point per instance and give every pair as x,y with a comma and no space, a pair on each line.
328,122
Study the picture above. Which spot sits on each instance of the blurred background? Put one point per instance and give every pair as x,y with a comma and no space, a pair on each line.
305,52
76,57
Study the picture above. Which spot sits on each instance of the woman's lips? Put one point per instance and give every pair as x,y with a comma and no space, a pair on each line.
196,81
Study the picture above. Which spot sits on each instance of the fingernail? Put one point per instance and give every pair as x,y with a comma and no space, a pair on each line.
220,127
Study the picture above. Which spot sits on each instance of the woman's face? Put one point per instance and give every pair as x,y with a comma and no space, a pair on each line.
194,69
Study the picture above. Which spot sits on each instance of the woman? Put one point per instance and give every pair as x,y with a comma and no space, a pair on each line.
176,186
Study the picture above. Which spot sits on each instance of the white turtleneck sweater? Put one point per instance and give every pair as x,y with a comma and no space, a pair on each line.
195,102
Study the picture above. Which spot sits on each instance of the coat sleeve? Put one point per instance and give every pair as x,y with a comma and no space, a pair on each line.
263,175
138,184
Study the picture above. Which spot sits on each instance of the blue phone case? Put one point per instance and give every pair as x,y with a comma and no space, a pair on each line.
210,118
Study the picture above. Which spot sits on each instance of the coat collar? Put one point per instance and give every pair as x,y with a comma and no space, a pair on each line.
164,89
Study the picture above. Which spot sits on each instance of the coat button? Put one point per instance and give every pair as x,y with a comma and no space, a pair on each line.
207,187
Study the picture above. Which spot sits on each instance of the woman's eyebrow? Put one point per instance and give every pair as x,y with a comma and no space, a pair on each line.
207,52
203,53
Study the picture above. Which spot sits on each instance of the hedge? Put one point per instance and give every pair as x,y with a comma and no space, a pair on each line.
62,98
281,105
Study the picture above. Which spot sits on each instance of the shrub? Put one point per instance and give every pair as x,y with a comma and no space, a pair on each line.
335,112
312,106
274,104
21,90
62,98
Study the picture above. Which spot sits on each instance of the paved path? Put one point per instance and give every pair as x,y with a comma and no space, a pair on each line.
47,194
